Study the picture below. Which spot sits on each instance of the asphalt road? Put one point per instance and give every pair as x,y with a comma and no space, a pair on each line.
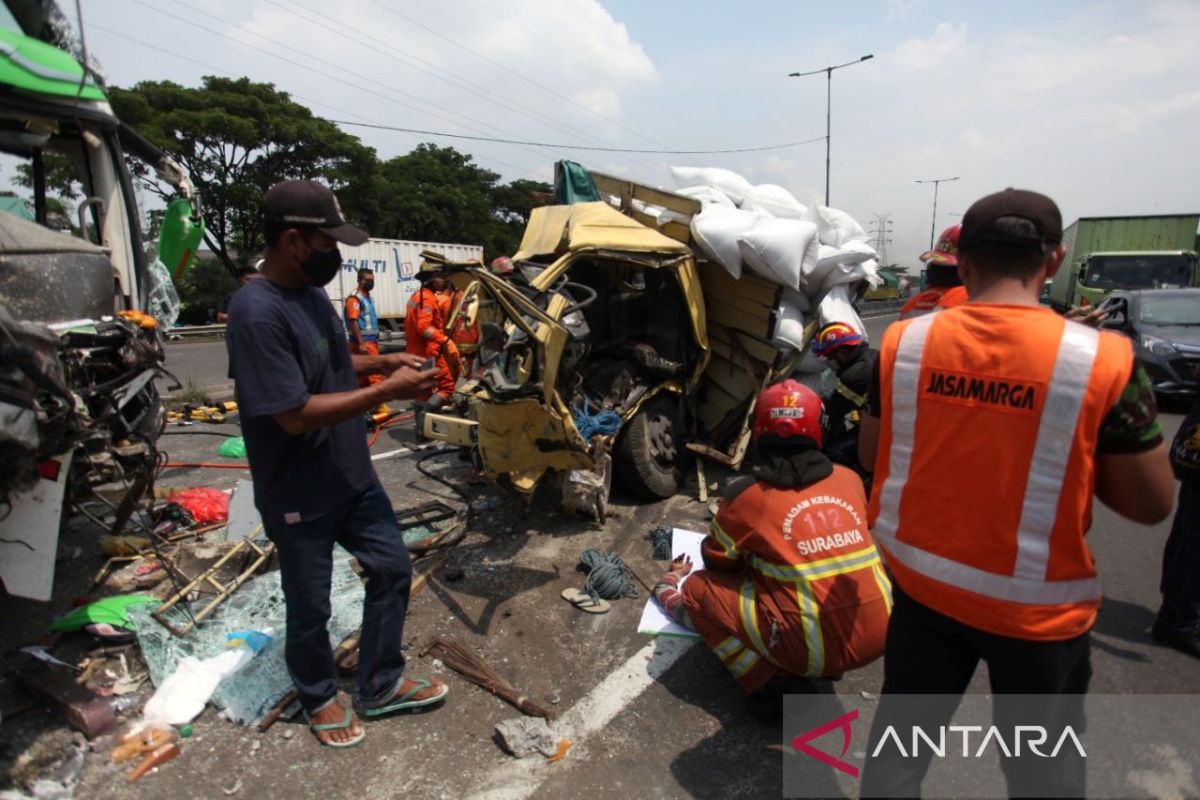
646,718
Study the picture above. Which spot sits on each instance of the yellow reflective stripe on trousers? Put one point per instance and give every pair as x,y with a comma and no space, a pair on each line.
816,570
727,648
743,663
885,586
749,611
724,539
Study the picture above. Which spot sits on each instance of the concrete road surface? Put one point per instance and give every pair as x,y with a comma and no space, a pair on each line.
646,718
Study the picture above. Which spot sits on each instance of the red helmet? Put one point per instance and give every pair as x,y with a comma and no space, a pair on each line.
502,265
833,336
787,410
945,252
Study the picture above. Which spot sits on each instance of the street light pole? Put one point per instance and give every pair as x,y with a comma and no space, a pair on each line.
829,105
933,223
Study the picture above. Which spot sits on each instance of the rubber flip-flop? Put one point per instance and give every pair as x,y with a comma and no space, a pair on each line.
406,702
347,722
585,602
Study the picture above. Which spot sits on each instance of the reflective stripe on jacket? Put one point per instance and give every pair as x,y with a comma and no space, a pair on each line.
986,464
368,322
814,599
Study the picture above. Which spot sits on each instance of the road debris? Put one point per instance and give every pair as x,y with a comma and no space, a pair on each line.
524,736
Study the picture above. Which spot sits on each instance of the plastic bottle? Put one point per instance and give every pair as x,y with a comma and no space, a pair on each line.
158,756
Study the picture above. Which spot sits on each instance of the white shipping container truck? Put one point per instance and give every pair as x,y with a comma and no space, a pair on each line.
395,265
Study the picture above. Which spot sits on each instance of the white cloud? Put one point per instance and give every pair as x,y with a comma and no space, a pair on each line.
948,42
899,9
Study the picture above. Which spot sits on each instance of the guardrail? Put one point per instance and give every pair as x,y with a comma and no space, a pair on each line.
192,331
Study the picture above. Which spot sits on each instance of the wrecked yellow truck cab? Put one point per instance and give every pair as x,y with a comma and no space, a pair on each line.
596,366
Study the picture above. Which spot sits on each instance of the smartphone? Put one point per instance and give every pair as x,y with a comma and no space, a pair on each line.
429,364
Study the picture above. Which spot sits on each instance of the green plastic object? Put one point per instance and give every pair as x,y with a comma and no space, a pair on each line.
33,66
573,184
233,447
113,610
179,237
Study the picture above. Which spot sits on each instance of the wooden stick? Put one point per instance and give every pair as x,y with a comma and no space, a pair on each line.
480,673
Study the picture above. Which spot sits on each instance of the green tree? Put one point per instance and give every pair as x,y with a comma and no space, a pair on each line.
236,138
438,194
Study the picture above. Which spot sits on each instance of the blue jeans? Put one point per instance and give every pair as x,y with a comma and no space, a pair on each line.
366,527
1180,583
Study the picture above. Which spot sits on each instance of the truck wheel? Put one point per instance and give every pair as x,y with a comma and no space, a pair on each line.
650,452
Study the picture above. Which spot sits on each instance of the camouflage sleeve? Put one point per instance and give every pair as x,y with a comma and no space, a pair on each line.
1132,424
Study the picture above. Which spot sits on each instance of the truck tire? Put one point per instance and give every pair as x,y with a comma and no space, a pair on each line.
649,454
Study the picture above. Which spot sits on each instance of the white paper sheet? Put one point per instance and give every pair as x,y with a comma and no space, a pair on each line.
654,621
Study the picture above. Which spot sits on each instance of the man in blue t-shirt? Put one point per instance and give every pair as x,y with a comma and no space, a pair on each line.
302,419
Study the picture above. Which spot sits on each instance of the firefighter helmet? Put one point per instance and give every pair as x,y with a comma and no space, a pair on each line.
789,410
834,336
502,265
945,252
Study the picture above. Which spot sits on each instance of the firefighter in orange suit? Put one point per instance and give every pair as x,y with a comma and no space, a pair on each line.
425,332
793,586
941,272
463,330
988,426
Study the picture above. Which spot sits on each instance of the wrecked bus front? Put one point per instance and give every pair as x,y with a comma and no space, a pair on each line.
598,341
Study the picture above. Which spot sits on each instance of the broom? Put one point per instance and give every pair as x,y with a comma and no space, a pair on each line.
477,671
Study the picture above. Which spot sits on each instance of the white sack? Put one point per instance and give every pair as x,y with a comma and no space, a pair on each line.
810,365
661,215
836,228
775,200
707,195
871,268
835,266
726,180
779,249
835,307
716,230
789,321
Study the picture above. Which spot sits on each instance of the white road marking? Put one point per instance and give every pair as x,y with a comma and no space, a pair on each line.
519,778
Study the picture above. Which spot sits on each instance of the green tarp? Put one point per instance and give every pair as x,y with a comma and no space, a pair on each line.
573,184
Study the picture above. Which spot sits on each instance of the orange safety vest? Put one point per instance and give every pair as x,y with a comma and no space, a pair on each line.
986,463
814,599
935,298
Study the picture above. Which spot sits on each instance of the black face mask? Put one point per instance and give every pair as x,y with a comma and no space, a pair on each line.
368,285
320,267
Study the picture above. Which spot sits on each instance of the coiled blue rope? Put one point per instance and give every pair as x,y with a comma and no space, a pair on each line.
605,423
660,537
607,575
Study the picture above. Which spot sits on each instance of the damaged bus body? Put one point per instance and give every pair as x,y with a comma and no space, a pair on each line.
613,351
78,355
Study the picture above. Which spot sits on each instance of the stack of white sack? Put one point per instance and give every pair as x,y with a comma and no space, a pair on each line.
818,254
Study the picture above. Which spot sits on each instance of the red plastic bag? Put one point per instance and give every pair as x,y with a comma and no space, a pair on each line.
205,505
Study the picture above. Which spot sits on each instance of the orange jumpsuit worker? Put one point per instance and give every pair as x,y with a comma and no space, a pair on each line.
362,324
425,332
463,330
941,270
794,586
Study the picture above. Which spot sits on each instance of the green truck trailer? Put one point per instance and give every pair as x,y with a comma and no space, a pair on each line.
1107,253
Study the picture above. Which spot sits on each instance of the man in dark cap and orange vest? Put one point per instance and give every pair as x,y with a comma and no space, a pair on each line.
989,426
794,587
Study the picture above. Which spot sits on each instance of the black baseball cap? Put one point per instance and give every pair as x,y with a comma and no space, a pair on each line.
977,228
314,205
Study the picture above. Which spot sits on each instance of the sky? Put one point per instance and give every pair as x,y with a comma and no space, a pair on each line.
1093,103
